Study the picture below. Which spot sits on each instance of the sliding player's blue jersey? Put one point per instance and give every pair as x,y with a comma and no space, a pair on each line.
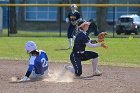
39,63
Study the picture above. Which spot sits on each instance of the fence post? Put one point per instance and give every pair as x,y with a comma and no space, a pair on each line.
1,20
113,22
8,21
60,19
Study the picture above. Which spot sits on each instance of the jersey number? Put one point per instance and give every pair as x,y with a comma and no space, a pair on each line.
44,62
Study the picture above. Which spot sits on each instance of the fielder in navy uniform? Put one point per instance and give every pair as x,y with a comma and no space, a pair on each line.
80,54
38,62
72,18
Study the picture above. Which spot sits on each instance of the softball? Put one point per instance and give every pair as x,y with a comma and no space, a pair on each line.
130,38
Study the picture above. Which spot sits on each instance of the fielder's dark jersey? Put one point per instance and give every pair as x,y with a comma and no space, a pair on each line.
74,16
80,42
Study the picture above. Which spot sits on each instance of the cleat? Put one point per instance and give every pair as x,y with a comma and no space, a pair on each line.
69,68
77,77
97,73
69,47
66,66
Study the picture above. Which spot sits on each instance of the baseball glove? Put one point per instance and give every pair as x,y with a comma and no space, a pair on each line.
103,45
101,37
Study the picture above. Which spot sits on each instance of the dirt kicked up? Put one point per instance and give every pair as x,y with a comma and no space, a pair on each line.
113,80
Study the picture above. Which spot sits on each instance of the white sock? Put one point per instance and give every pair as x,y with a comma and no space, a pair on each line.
70,42
95,64
71,69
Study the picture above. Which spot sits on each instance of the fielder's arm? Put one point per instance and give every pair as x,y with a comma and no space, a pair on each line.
89,44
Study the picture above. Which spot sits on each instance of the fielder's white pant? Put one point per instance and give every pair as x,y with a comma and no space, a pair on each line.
70,42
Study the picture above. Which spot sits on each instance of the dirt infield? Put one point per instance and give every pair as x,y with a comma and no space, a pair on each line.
113,80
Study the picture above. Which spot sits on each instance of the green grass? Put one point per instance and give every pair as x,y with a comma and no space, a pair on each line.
38,33
121,51
22,33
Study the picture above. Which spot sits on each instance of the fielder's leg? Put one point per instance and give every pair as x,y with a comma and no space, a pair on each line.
94,56
96,72
76,62
70,68
70,42
70,35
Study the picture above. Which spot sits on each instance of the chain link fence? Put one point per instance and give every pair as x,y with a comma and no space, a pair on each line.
48,20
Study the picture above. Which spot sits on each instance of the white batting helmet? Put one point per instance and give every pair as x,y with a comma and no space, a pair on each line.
30,46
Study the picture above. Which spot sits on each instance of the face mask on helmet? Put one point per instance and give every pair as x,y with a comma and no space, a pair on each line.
30,46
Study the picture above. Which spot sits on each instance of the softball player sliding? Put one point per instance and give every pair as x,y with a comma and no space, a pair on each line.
80,54
38,62
72,18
